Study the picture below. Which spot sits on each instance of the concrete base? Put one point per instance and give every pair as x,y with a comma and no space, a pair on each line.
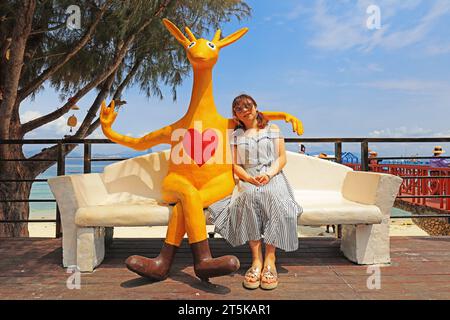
366,244
90,248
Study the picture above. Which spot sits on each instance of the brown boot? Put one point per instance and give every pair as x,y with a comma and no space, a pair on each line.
206,266
155,268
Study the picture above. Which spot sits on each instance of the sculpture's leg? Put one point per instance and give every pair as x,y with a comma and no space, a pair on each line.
192,202
205,266
216,189
158,268
153,268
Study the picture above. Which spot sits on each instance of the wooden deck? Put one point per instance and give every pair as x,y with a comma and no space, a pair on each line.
420,269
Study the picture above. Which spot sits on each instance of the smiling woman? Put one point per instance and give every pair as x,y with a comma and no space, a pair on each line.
243,105
262,205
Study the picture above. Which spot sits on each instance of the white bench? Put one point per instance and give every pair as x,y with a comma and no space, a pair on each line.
128,193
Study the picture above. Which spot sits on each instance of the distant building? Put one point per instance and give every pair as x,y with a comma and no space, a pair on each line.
348,157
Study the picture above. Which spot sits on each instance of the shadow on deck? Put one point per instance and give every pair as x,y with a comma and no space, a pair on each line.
420,269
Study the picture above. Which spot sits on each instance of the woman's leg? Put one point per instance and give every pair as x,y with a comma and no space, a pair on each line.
269,257
269,276
257,256
253,275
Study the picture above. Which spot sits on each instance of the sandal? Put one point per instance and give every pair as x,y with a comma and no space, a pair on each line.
253,273
270,274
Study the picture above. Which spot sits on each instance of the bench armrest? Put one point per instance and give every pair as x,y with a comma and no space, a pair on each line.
78,190
378,189
75,191
72,192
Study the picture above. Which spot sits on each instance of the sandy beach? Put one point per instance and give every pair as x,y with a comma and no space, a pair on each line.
398,227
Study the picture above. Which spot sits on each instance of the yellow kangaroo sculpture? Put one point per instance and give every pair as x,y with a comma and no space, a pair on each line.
198,180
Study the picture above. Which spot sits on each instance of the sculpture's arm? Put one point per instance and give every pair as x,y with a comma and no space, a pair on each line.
297,125
107,117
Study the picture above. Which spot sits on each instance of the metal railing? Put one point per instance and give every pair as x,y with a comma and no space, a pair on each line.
88,159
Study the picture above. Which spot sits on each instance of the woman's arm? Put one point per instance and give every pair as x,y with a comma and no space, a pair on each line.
240,172
280,152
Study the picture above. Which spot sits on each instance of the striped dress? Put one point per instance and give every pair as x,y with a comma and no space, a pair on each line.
267,212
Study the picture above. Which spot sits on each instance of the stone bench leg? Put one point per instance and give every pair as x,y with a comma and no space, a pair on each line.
109,235
90,248
366,244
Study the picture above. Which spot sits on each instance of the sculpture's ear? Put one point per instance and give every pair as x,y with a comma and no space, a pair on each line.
230,39
181,38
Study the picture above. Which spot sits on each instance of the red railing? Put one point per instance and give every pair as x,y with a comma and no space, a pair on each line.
419,180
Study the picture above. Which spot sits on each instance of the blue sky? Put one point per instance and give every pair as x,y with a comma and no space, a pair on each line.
318,61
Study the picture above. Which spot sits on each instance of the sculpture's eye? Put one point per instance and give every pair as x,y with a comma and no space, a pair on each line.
191,45
211,45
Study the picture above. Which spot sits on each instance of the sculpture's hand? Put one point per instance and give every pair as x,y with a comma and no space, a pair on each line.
297,125
107,114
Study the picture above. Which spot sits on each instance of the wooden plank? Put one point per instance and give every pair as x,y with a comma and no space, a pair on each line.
31,269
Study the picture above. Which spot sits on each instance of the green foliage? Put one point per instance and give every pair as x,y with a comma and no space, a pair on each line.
161,61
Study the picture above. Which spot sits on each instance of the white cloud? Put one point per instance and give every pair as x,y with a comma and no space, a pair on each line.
436,88
408,37
437,49
347,29
403,132
406,149
445,133
374,67
295,12
29,115
335,32
409,85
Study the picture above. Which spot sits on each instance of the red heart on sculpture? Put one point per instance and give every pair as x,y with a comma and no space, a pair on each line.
200,146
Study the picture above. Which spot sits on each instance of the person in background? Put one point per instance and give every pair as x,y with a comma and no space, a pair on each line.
302,148
373,154
437,162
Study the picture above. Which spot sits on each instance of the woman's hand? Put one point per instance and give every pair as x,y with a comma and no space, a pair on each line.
263,179
253,180
108,114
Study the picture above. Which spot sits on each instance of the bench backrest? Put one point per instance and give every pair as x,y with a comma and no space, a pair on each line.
140,176
312,173
143,175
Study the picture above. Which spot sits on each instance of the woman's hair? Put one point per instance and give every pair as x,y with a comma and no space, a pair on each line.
242,100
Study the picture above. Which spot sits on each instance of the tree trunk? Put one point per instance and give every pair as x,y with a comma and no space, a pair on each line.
20,170
14,170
